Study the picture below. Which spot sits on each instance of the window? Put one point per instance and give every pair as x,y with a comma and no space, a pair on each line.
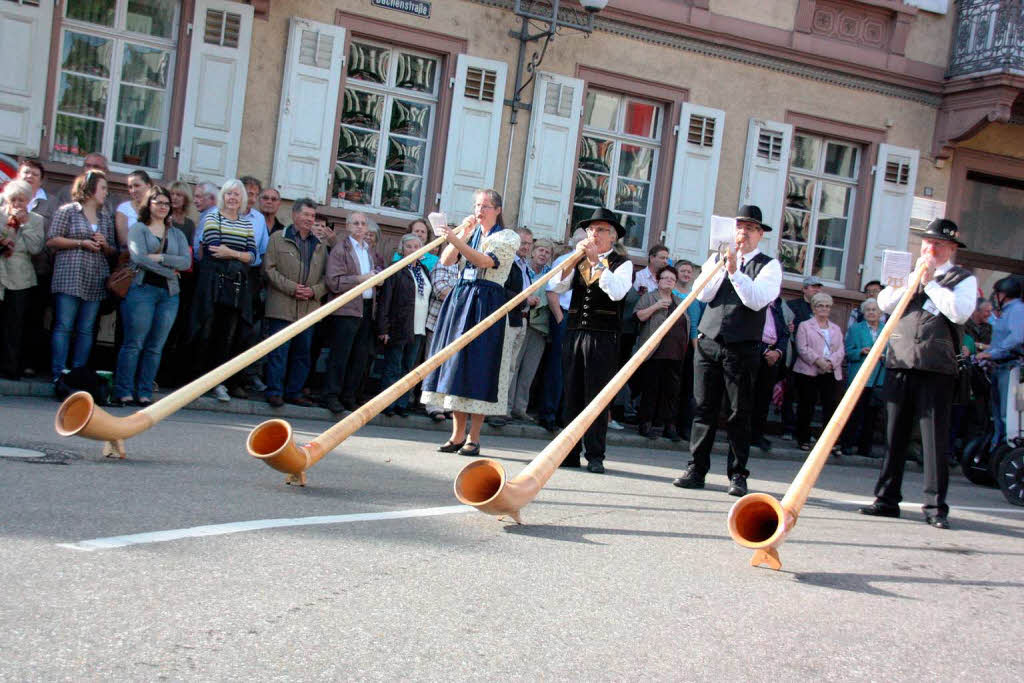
820,195
617,162
114,89
387,118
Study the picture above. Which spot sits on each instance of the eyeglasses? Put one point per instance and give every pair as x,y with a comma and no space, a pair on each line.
164,203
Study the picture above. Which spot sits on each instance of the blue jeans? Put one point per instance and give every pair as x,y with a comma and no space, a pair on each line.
148,313
399,360
290,359
72,313
1000,388
553,377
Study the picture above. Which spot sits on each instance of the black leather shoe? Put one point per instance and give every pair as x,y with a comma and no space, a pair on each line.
470,449
764,444
574,463
938,521
334,405
644,429
672,435
549,425
389,412
738,486
496,420
879,510
595,466
689,479
450,446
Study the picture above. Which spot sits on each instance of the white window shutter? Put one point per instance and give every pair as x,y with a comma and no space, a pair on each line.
215,91
765,166
309,107
473,131
694,179
545,204
892,199
25,36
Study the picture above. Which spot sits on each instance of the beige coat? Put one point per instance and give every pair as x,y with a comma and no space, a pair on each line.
17,271
282,264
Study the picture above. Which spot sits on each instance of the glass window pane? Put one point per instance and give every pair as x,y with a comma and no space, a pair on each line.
632,197
353,184
840,160
641,119
799,192
94,11
145,65
596,155
792,257
362,109
140,106
77,137
405,155
835,199
152,17
827,264
805,151
357,147
601,110
368,62
796,224
635,227
416,73
86,54
410,118
81,95
136,147
831,232
591,188
401,192
993,211
636,162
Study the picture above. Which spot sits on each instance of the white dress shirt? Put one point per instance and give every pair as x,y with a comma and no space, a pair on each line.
615,283
753,293
957,304
40,196
645,278
564,295
363,257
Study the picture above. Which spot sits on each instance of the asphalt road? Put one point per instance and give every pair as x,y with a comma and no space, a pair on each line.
614,577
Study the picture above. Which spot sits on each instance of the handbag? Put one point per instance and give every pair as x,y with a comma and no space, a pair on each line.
229,280
120,280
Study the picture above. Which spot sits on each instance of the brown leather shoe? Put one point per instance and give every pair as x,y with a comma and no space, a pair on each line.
300,401
275,401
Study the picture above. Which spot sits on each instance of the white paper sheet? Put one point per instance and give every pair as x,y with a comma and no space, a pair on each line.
437,221
723,231
896,267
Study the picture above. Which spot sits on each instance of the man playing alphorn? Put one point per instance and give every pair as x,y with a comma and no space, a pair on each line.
921,369
590,355
729,350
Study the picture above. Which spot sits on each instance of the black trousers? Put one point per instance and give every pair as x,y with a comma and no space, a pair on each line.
813,390
860,430
659,387
214,341
764,383
687,406
723,370
922,397
350,352
12,329
589,360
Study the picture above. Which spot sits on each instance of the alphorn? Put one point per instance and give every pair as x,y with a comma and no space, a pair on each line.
483,483
273,442
759,521
79,415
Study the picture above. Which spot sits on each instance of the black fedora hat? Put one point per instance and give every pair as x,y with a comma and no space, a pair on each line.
749,212
944,229
605,216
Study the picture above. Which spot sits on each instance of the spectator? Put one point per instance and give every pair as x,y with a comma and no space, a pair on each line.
774,341
83,236
871,290
687,270
295,265
978,325
537,332
91,162
33,173
181,204
401,321
158,251
860,430
421,229
647,279
350,264
205,197
227,246
515,333
442,281
818,367
1006,351
802,307
270,204
176,367
127,213
662,371
801,310
36,346
21,236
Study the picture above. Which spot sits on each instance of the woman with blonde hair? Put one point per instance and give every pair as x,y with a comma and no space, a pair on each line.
21,237
818,368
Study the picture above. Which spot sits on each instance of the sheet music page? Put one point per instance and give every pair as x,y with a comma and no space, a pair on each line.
896,266
723,231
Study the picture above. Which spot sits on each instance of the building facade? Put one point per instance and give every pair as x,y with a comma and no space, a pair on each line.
850,122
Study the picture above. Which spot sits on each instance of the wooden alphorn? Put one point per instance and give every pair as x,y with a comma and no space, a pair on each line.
273,443
79,415
761,522
484,484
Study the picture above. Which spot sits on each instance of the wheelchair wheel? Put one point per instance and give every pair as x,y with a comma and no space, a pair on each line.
1011,476
974,461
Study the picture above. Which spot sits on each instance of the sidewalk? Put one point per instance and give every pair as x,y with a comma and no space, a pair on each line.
781,450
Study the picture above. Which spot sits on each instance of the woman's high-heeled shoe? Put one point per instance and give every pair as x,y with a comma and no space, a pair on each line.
450,446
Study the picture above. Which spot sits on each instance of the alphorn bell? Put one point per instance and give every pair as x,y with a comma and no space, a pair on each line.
761,522
273,442
484,484
79,415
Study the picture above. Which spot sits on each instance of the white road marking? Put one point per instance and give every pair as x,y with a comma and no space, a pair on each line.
917,506
252,525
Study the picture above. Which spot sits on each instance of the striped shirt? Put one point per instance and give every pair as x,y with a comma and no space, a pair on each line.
236,234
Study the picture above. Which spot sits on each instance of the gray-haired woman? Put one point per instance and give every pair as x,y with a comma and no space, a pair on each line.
21,236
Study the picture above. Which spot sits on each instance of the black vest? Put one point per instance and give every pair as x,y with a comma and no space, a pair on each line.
592,309
923,340
727,317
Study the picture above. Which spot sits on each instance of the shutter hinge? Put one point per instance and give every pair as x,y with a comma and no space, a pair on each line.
675,130
188,28
451,83
874,169
664,236
437,199
177,152
43,131
860,268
